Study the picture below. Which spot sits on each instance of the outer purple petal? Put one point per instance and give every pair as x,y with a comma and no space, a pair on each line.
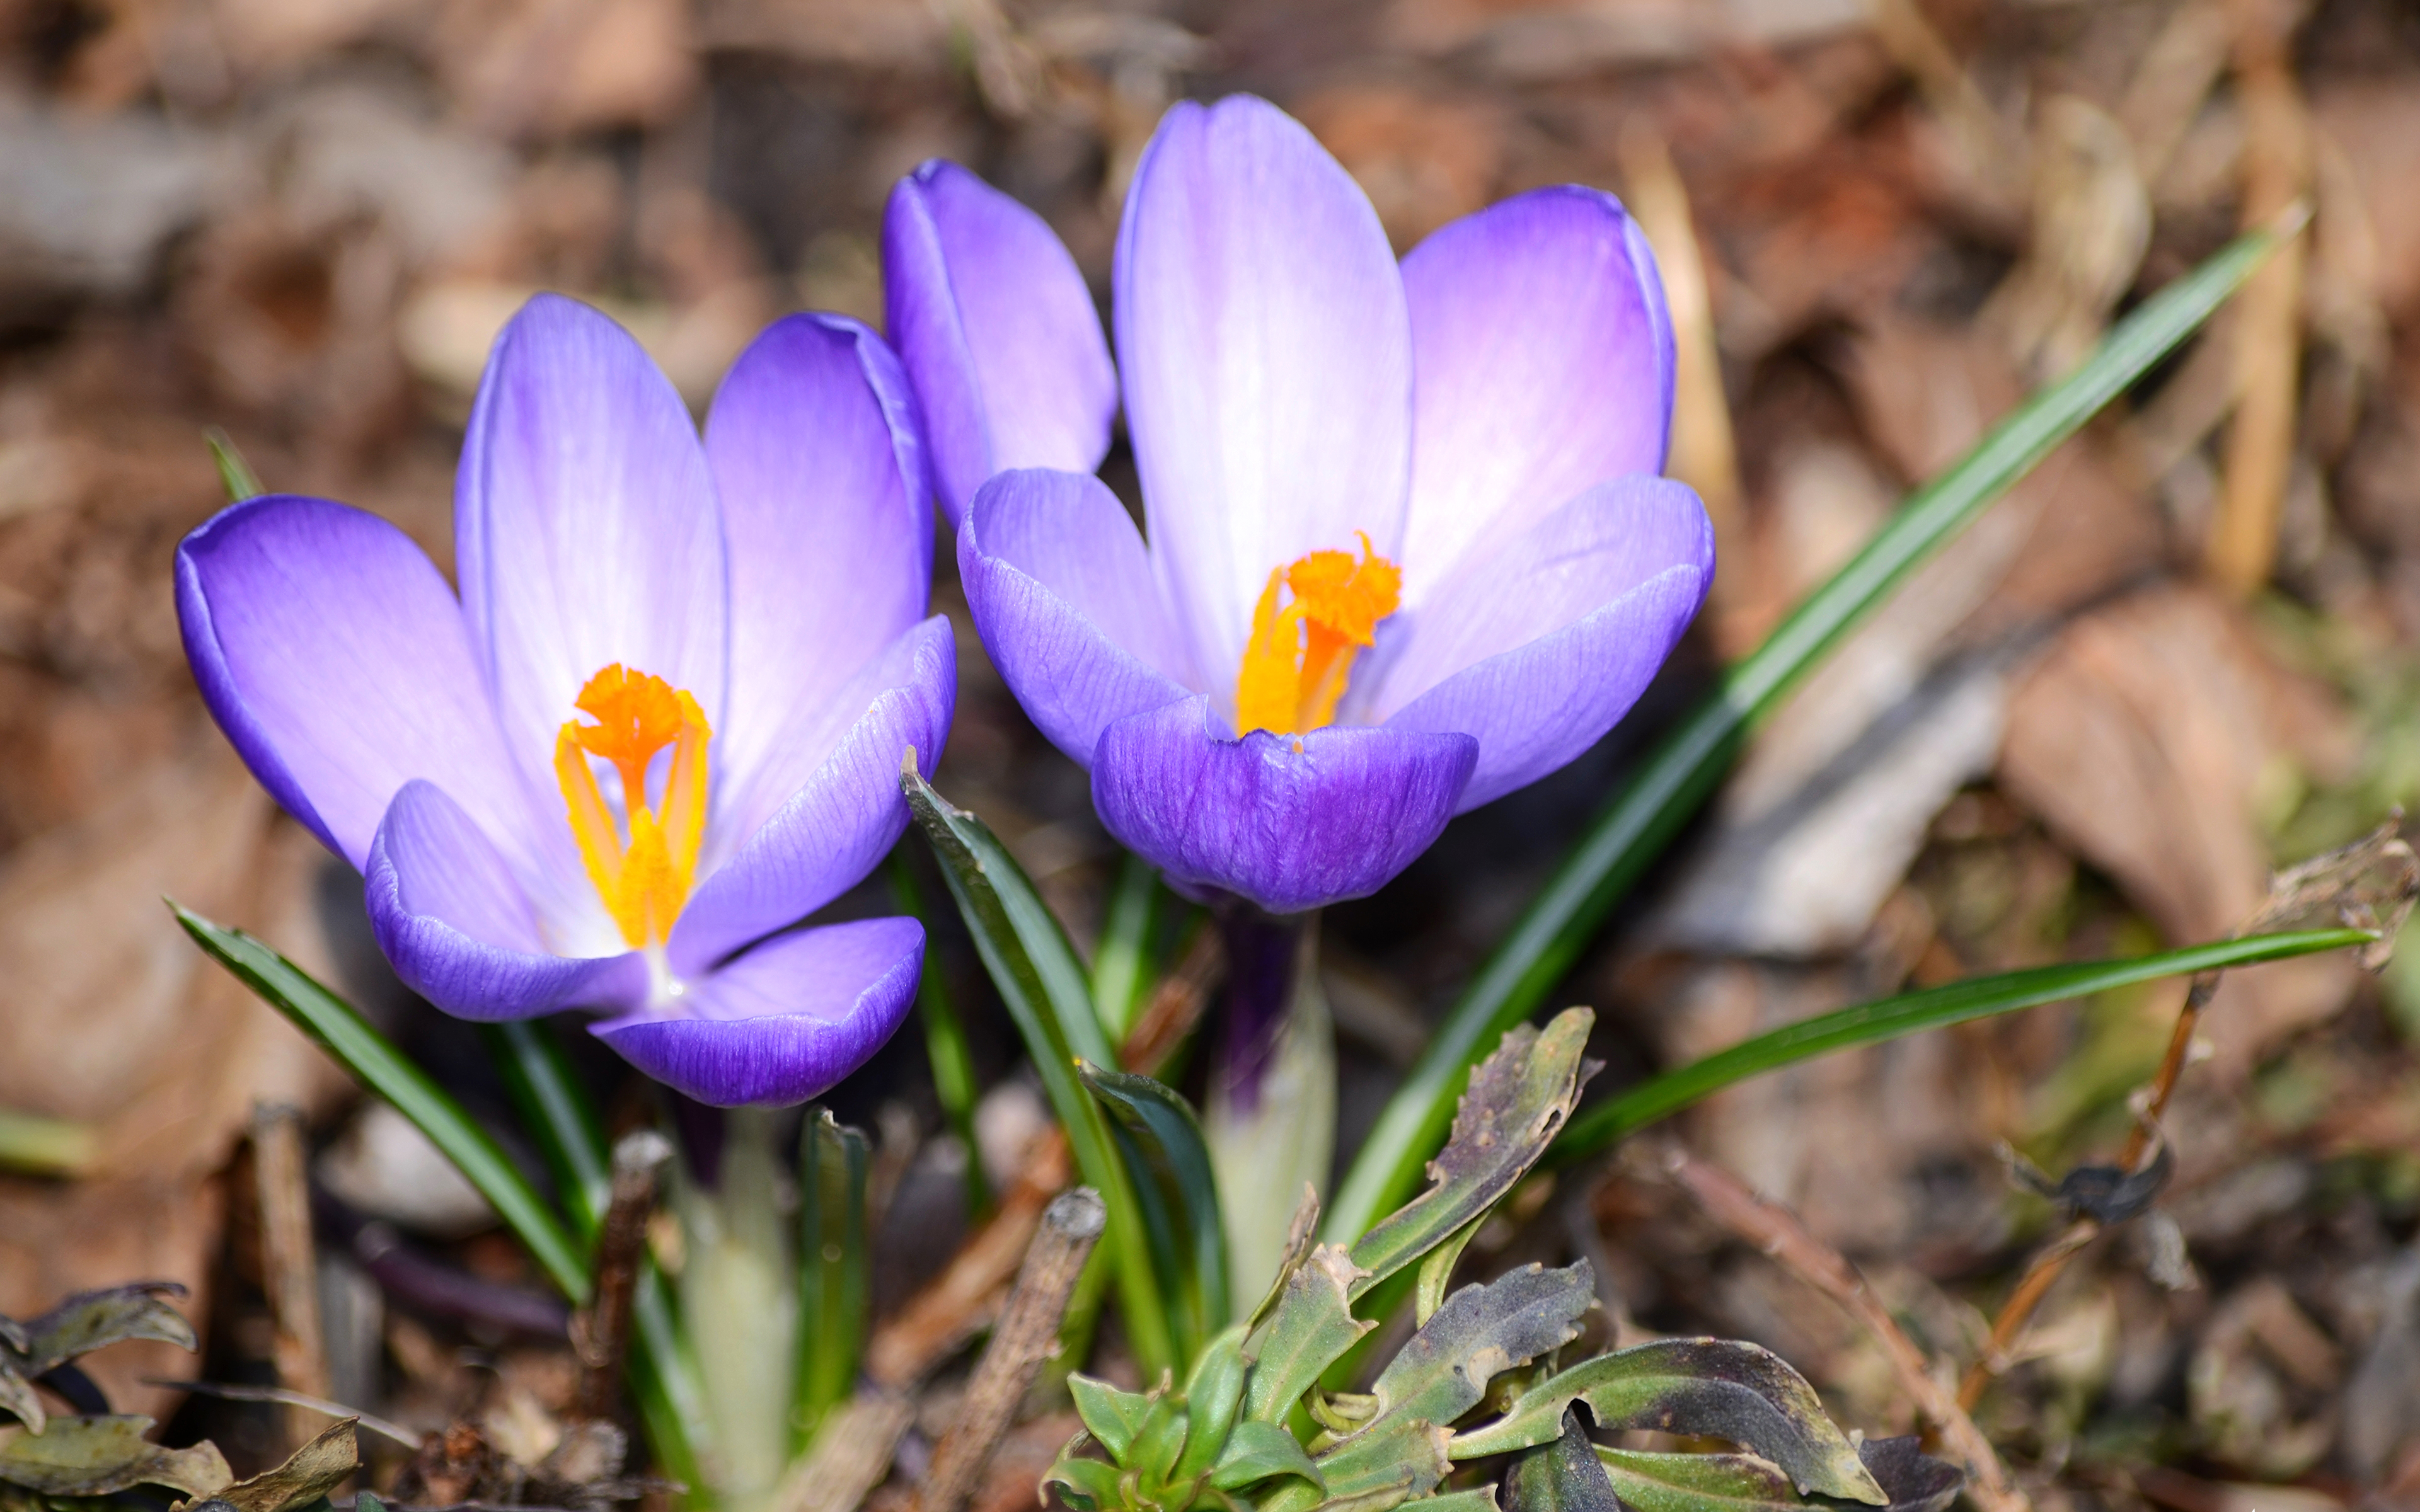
1289,829
1538,651
584,527
813,441
843,817
336,660
1267,358
447,914
1061,591
784,1022
1542,359
998,331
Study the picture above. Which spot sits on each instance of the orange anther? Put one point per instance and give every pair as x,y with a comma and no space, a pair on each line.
1300,654
644,880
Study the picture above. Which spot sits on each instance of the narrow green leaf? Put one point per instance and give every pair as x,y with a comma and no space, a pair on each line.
945,1038
1562,1475
1121,962
1436,1271
1171,1169
235,473
1690,763
1603,1124
832,1285
1257,1451
1044,990
1111,1415
1212,1399
1313,1325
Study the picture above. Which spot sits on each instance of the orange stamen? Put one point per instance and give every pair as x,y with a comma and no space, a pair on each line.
645,882
1300,654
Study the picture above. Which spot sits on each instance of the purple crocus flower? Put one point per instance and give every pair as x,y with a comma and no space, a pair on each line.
1406,546
663,723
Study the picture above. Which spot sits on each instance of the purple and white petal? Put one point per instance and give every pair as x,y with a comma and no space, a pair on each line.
1267,355
336,659
1542,359
443,908
1541,649
1060,590
997,330
783,1023
1287,830
585,530
826,512
843,818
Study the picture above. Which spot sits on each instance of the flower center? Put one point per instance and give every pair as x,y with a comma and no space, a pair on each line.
644,876
1302,650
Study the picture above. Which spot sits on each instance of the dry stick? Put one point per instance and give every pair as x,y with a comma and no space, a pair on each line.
2334,882
603,1334
1778,1231
289,1266
1026,1335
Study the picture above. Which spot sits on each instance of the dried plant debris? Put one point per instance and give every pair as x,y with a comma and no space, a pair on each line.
1224,1439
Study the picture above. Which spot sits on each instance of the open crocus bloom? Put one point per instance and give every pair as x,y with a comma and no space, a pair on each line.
663,723
1407,550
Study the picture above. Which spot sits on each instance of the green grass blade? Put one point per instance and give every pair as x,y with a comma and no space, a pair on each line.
1691,762
1603,1123
235,473
945,1039
1122,965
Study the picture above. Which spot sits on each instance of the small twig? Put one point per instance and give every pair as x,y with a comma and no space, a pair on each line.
1026,1335
384,1428
2369,884
604,1331
1778,1231
289,1265
852,1452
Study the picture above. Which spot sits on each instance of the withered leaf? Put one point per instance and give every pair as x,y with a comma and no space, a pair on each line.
78,1326
1914,1480
311,1471
1479,1332
96,1455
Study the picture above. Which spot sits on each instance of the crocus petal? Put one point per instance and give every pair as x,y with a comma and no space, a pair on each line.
845,815
1288,829
1262,331
1060,590
1544,359
1541,648
445,909
584,527
336,660
784,1022
828,516
998,331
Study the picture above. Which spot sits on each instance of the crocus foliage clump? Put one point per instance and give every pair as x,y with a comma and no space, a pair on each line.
1482,1379
660,726
1404,550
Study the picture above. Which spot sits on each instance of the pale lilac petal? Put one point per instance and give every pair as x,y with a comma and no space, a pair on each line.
1287,830
1060,590
446,911
1541,648
845,815
813,441
1542,355
783,1023
584,527
1267,354
336,659
998,331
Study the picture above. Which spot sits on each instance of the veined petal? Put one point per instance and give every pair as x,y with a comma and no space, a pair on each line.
334,655
997,331
1538,650
784,1022
847,813
585,530
444,908
1542,358
1267,354
813,441
1288,829
1060,590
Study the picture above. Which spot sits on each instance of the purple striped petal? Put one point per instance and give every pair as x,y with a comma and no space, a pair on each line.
813,441
1288,829
998,331
334,655
585,528
843,817
1541,649
445,910
783,1023
1266,351
1544,359
1060,590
